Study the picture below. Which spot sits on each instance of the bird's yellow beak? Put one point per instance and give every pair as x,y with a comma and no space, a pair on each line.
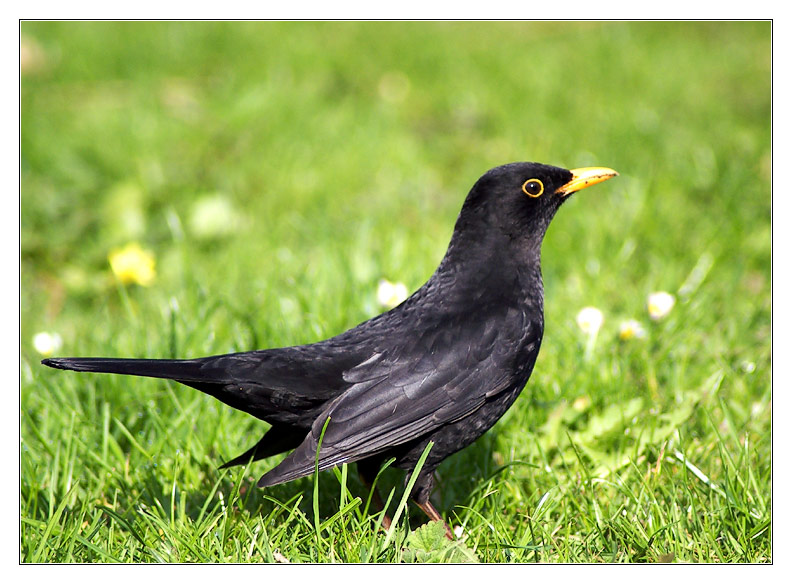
585,177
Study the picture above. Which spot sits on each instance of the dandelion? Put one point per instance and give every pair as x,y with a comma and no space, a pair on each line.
631,329
590,320
659,304
132,264
581,403
47,343
391,294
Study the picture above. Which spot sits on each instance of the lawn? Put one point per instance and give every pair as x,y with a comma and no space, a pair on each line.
275,173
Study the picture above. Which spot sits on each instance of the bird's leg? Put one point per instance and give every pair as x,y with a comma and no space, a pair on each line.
420,496
377,500
368,476
433,514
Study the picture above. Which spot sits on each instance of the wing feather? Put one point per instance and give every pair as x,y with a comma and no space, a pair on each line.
403,392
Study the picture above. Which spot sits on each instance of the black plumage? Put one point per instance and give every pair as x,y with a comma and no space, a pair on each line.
443,366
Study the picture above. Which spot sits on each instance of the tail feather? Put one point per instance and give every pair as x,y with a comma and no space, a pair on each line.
183,370
279,438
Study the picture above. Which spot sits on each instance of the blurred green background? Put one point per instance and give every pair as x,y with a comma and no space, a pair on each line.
277,171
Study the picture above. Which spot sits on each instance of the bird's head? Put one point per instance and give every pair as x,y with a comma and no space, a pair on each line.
516,202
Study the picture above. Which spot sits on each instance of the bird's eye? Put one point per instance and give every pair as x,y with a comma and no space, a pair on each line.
533,187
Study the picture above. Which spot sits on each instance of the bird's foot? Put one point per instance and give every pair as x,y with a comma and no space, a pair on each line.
434,515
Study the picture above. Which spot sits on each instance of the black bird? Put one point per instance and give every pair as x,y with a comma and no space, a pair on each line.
443,366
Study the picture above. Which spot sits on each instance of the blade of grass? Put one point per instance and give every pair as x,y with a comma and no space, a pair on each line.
316,484
51,523
406,496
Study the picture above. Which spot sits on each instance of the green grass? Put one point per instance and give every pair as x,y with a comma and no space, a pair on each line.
342,153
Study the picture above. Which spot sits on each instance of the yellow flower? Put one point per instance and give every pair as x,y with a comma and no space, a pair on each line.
132,264
390,294
590,320
631,329
659,304
47,343
581,403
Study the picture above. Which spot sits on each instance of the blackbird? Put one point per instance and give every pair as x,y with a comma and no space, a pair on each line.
441,367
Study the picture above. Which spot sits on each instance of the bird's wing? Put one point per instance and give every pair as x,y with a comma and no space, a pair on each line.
433,378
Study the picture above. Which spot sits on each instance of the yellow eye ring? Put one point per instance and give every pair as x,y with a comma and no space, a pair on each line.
533,187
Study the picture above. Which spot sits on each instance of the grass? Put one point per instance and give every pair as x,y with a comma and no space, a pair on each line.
278,171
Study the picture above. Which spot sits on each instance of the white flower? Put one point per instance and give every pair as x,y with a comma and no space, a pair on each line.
459,531
391,294
659,304
280,558
47,343
213,216
631,329
590,320
31,56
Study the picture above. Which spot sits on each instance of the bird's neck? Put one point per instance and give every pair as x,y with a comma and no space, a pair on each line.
491,249
507,268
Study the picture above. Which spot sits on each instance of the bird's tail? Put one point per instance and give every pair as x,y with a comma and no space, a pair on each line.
183,370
